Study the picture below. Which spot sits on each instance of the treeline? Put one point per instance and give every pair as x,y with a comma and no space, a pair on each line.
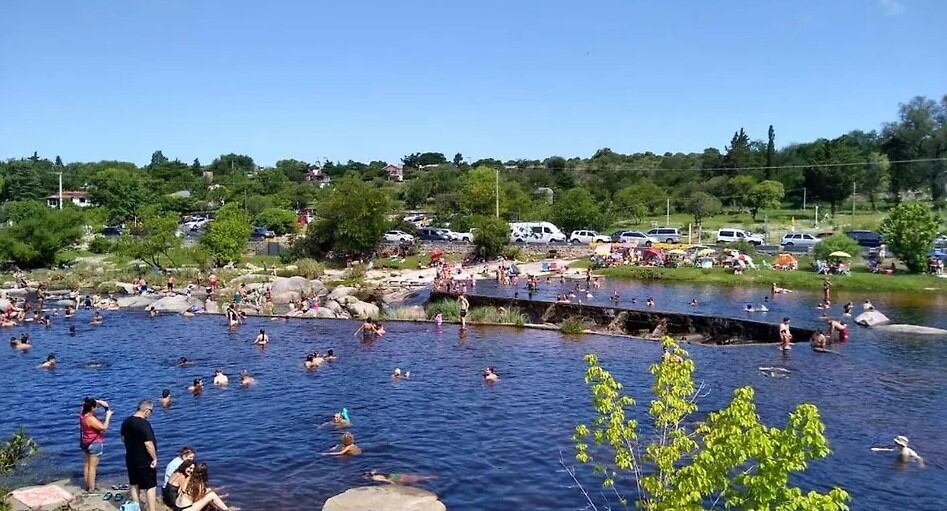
904,156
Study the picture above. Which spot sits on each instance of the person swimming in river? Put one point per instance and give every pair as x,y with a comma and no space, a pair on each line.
96,318
379,329
649,302
330,356
220,378
396,477
615,296
72,330
775,290
849,307
152,312
694,302
347,448
840,327
166,398
818,340
748,308
341,419
438,319
367,329
246,379
183,362
23,344
262,339
867,306
490,375
197,387
312,362
50,362
398,375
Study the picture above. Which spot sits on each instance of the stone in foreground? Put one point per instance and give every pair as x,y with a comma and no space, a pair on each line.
384,498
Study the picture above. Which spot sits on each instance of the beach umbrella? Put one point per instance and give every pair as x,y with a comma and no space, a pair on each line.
706,251
785,259
840,254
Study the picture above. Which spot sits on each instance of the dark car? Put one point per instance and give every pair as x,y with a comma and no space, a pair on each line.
865,238
432,234
112,231
261,233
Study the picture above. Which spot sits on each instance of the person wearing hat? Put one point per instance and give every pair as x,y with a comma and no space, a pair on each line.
905,453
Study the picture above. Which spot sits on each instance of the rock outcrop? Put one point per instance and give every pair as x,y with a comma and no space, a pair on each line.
385,498
871,318
135,302
285,290
173,303
362,310
341,291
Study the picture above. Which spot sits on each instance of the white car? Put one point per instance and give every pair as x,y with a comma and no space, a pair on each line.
730,235
398,237
635,237
587,237
463,237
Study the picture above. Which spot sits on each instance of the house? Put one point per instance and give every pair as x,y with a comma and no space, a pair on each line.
80,199
317,176
395,172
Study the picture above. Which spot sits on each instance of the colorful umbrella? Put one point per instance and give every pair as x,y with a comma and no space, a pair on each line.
706,251
840,254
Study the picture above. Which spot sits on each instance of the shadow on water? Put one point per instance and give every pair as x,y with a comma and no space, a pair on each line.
493,446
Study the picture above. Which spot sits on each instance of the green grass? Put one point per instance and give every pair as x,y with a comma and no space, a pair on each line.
572,326
450,311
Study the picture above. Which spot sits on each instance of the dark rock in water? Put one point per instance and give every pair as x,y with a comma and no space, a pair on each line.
384,498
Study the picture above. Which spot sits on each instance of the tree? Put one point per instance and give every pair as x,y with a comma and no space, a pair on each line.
909,230
458,160
738,152
490,235
294,170
35,240
875,178
764,195
831,170
920,133
576,209
122,192
770,152
156,237
351,220
280,221
157,158
728,460
836,243
644,192
196,167
226,237
480,192
739,188
58,162
555,163
702,204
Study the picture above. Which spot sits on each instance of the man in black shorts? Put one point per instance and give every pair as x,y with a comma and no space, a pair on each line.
141,454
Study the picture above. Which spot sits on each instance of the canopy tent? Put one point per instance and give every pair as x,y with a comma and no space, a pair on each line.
786,260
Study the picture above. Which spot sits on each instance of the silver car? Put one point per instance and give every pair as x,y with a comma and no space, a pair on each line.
799,239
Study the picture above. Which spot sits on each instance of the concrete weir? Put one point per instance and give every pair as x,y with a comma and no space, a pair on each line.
641,323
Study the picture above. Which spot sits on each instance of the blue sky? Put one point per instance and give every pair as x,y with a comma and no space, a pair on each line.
112,79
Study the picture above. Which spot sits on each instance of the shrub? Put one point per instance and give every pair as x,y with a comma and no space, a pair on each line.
280,221
836,243
500,316
491,235
355,274
745,247
310,268
15,450
511,253
572,326
449,309
100,245
909,231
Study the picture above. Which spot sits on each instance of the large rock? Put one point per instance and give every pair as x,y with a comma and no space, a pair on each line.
341,291
211,307
6,303
284,297
116,287
325,313
285,290
363,310
871,318
332,305
135,302
912,329
173,303
384,498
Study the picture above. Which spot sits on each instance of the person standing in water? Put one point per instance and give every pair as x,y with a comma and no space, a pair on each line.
464,305
262,339
785,336
826,291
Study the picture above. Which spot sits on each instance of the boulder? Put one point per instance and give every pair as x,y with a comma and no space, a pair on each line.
65,302
247,279
173,303
135,302
211,307
5,304
324,313
341,291
363,310
345,301
284,297
871,318
384,498
116,287
332,305
912,329
293,288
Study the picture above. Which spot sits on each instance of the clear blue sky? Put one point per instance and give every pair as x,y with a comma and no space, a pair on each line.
117,79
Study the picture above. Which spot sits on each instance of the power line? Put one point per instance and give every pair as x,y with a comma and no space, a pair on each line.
732,169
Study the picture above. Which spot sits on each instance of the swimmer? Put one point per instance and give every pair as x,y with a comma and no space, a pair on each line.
775,372
187,314
818,340
197,387
341,420
748,308
220,378
397,375
152,312
396,477
72,330
330,356
245,379
182,362
166,398
14,341
311,362
261,339
348,447
50,362
438,319
785,335
775,290
615,296
840,327
44,321
70,311
367,329
649,302
849,307
490,375
867,306
694,302
634,300
23,344
379,329
905,453
96,318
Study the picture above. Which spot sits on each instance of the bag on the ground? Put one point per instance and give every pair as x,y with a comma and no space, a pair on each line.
130,506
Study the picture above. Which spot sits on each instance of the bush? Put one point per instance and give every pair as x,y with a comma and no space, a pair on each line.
15,450
511,253
448,309
573,326
310,268
491,235
497,315
745,247
280,221
100,245
836,243
909,231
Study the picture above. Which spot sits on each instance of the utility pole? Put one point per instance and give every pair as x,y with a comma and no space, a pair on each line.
60,190
853,203
498,192
803,199
667,215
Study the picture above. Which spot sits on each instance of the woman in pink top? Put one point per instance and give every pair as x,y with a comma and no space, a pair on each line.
92,437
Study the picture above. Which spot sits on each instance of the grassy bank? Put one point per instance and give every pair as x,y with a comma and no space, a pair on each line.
450,311
800,279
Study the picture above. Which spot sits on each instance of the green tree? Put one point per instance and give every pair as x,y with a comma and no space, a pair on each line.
909,230
280,221
17,211
836,243
35,241
875,178
831,170
480,192
644,192
121,192
738,152
702,204
155,237
458,160
491,235
157,158
577,209
351,220
739,188
730,460
919,133
226,237
766,194
770,152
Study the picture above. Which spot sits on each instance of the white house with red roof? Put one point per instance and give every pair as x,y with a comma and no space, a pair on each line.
78,198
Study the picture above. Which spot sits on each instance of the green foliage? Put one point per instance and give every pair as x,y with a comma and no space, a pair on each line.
35,241
496,315
730,460
836,243
577,209
573,326
644,194
121,192
351,220
825,178
491,235
155,237
16,450
309,268
767,194
909,231
100,245
702,204
480,192
226,237
16,211
280,221
449,309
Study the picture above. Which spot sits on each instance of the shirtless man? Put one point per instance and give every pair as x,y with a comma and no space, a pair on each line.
818,340
785,336
220,378
840,327
464,305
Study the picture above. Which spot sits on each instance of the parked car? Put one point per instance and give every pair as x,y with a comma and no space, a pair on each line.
665,234
398,237
586,237
433,234
865,238
635,237
940,241
261,233
112,231
799,239
535,232
731,235
463,237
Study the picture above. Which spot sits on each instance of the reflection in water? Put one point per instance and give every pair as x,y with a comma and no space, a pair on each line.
491,446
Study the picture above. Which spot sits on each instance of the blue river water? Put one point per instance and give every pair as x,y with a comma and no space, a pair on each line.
491,446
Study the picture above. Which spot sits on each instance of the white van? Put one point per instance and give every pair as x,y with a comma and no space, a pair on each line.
731,235
535,232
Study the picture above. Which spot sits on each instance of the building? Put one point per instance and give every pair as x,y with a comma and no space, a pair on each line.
318,176
395,172
80,199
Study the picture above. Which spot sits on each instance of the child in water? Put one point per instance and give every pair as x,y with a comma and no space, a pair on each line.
438,319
